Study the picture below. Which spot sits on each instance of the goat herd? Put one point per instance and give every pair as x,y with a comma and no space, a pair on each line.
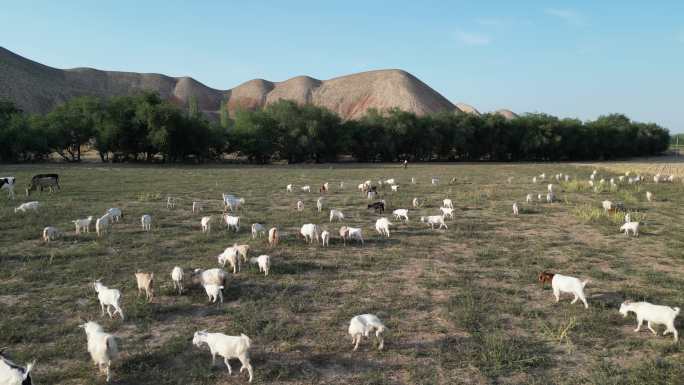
102,346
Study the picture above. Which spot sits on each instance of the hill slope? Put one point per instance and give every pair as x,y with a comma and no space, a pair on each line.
38,88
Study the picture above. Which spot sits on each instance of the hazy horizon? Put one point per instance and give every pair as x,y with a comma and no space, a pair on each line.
581,60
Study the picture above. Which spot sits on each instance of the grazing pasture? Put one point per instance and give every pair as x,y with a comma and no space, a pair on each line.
461,305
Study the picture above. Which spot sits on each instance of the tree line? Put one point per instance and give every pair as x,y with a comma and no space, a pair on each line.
144,127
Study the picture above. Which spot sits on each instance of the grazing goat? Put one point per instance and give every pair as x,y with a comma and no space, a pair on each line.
379,207
34,205
102,224
232,222
258,230
607,205
50,181
325,238
336,214
394,187
8,183
364,324
116,213
227,347
349,233
401,214
273,237
572,285
630,226
50,234
288,188
13,374
206,224
214,292
319,204
197,206
447,212
242,250
232,256
264,263
310,232
101,346
516,210
649,196
545,277
146,222
214,276
177,278
433,220
653,315
108,298
232,203
306,188
382,226
145,283
448,203
83,224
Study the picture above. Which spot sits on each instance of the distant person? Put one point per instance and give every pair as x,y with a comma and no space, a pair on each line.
405,163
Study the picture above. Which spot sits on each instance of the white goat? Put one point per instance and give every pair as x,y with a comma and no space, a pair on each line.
549,188
227,347
413,180
534,179
206,224
565,284
8,183
273,237
232,203
214,276
415,203
116,213
83,224
325,238
607,205
263,261
258,230
550,197
336,214
433,220
516,210
630,226
101,346
448,203
529,198
306,188
394,187
13,374
177,278
382,226
232,222
649,196
102,224
300,206
108,298
197,206
288,188
310,232
146,222
230,255
401,214
434,180
319,204
349,233
50,234
145,283
447,212
170,202
214,292
364,324
34,205
653,315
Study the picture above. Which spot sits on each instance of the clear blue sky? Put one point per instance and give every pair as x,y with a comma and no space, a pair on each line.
571,59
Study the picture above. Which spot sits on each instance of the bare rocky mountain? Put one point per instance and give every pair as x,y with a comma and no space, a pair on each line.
38,88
